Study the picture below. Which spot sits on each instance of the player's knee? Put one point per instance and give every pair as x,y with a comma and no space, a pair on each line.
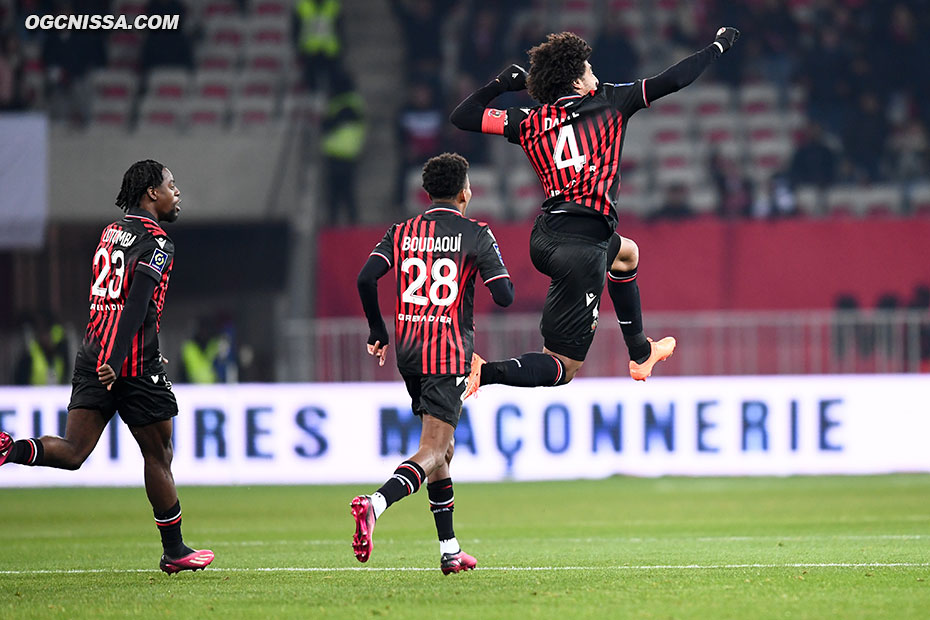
626,258
570,371
450,452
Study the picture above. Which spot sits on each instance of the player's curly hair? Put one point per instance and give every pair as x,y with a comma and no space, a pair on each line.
140,176
444,175
555,64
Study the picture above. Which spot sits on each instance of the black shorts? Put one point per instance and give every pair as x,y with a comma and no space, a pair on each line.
577,268
439,396
139,400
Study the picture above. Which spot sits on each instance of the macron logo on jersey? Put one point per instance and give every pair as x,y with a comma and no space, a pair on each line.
161,242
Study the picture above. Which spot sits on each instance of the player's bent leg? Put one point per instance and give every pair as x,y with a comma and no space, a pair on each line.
570,366
82,432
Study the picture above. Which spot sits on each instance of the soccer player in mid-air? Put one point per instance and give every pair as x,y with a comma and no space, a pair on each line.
119,367
435,258
573,140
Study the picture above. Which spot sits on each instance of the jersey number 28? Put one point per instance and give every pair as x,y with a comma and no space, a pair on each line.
411,294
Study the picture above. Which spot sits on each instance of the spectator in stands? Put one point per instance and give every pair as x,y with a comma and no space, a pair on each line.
318,34
419,127
776,199
813,162
45,357
206,354
343,138
166,48
908,154
864,139
421,22
676,206
734,188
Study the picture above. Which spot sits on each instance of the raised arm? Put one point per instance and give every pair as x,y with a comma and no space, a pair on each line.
686,71
469,115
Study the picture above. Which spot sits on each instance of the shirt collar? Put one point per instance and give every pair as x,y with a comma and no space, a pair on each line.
137,212
437,208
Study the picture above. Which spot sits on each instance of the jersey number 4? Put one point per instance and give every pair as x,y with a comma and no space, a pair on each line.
575,157
110,268
411,294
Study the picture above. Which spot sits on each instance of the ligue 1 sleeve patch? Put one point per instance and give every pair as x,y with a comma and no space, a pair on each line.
159,261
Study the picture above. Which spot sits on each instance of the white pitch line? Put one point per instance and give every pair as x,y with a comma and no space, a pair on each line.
372,569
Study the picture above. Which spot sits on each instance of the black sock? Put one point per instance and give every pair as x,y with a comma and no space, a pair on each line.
528,370
169,526
406,481
441,504
624,292
26,452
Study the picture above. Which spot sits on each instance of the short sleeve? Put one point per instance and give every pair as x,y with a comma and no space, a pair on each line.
385,248
155,256
489,259
512,121
628,98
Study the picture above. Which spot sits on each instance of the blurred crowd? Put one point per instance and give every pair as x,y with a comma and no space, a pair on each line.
858,71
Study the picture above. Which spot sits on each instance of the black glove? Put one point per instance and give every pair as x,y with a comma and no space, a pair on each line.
513,78
726,37
378,334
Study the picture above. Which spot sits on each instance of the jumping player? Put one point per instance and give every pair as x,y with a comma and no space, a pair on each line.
119,367
435,258
573,140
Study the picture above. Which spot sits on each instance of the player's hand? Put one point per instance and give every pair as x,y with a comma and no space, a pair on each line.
726,37
106,375
378,350
513,78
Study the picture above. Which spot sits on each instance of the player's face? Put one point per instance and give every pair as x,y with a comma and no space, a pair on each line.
169,196
587,82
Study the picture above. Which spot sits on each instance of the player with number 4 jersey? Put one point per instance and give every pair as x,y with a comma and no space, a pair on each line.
573,140
435,257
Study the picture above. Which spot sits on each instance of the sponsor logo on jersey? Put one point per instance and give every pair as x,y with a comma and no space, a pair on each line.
159,261
161,242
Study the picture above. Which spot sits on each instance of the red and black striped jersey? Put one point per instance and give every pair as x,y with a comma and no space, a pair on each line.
135,246
574,145
436,257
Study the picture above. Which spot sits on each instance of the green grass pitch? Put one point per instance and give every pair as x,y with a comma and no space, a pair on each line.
800,547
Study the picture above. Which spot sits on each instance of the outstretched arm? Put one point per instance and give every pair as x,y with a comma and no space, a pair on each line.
686,71
469,114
